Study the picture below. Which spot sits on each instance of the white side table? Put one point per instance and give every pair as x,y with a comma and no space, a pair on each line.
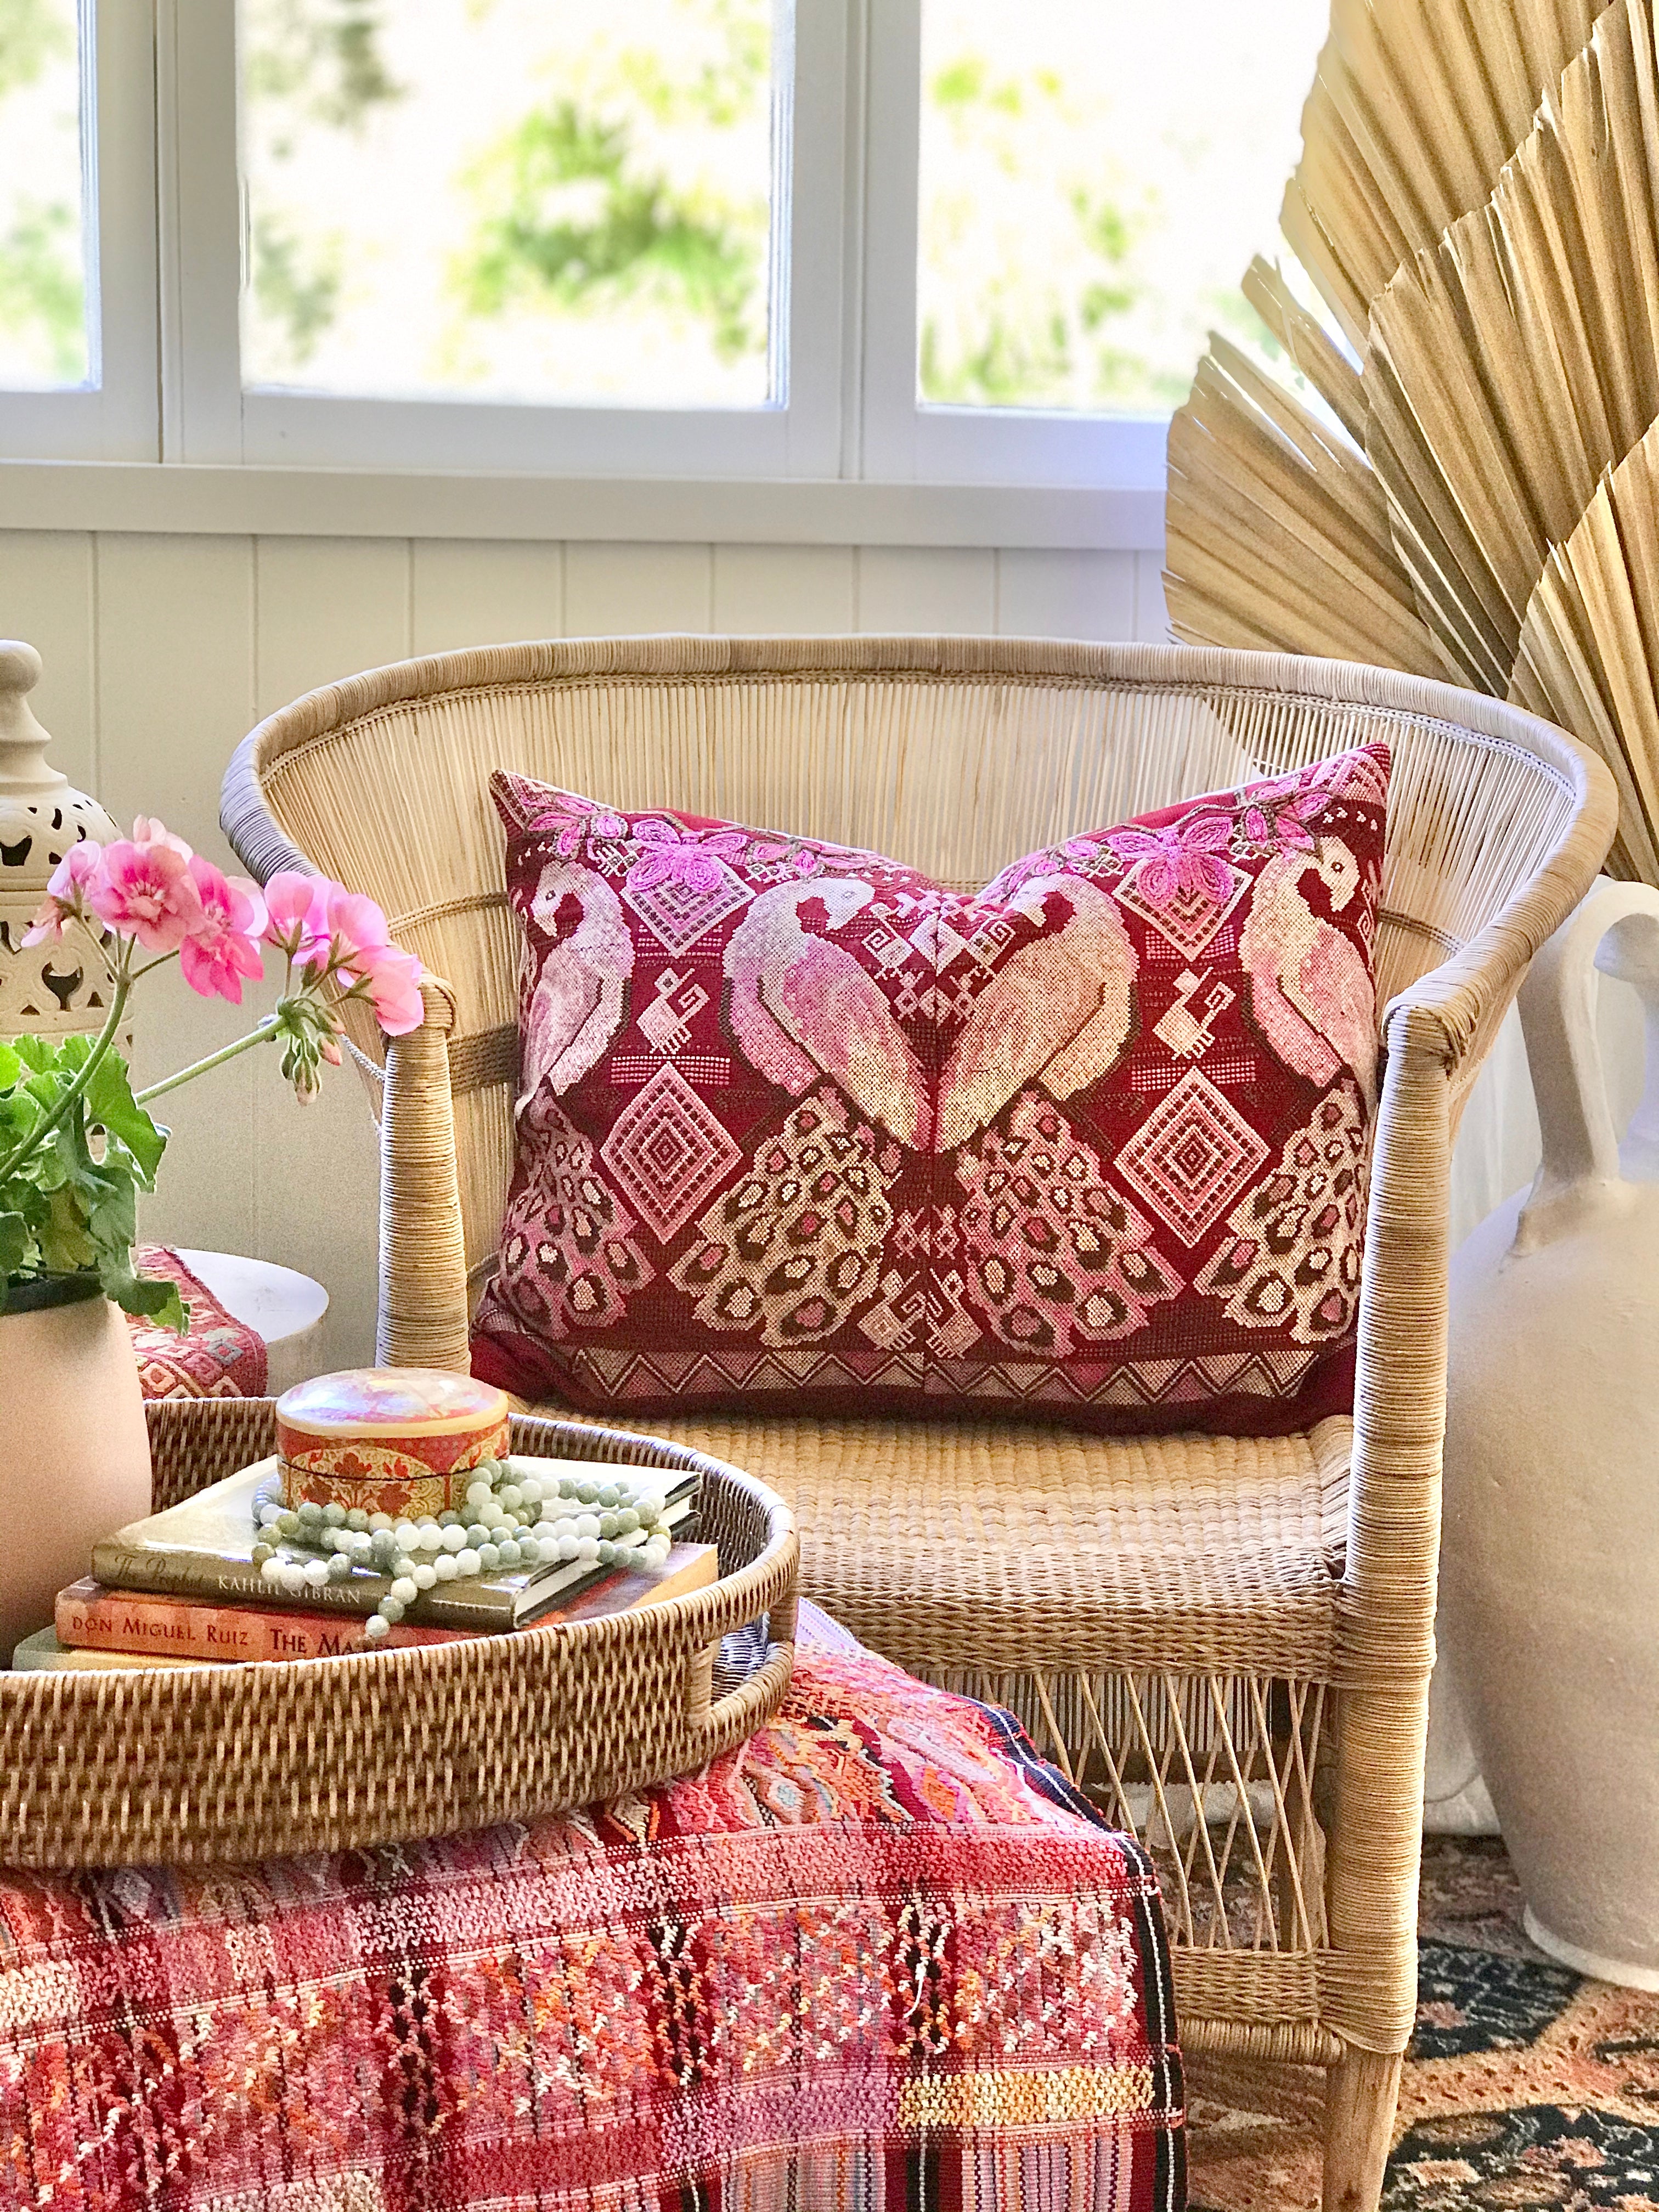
278,1303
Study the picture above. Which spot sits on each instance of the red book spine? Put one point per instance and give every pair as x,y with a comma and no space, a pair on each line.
95,1619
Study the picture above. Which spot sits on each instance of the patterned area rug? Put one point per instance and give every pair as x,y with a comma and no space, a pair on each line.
1526,2085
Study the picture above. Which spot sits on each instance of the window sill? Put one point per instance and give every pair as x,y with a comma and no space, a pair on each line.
300,502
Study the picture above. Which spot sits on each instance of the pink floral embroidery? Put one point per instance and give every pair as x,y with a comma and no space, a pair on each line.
573,821
1277,816
1184,861
675,855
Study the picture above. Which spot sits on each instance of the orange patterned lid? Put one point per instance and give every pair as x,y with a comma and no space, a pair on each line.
390,1402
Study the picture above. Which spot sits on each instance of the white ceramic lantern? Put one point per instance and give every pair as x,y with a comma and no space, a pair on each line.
51,990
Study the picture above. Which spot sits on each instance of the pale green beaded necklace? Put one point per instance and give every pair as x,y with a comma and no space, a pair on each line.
518,1513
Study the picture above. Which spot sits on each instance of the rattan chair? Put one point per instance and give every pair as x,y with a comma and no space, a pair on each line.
1231,1646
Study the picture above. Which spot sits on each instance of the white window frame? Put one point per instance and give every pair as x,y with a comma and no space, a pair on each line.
210,417
112,416
905,442
166,283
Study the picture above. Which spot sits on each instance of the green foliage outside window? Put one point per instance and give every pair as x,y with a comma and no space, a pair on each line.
42,284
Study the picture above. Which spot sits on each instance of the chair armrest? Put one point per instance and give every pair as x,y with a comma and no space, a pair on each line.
422,1304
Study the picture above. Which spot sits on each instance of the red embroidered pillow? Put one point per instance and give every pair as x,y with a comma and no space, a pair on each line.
798,1129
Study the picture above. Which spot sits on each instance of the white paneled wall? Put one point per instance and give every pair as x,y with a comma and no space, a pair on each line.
161,652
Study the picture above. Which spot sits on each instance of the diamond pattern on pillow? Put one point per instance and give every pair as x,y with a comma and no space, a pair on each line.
799,1129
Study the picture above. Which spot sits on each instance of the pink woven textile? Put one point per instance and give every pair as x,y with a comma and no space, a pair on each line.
218,1357
876,1961
798,1125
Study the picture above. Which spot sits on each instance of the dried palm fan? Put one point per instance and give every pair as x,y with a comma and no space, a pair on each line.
1277,532
1307,345
1590,646
1405,129
1512,365
1413,110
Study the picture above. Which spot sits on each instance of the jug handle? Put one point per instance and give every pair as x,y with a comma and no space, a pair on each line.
1616,929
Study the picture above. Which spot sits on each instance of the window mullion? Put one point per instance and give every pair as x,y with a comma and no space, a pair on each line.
200,231
113,417
892,142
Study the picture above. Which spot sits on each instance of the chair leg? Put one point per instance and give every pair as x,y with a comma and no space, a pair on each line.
1361,2093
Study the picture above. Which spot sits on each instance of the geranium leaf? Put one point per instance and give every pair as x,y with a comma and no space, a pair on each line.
155,1297
65,1247
111,1104
15,1245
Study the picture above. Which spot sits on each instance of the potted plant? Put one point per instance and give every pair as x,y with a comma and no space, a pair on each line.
78,1144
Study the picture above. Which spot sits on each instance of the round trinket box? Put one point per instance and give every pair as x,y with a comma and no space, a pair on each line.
398,1440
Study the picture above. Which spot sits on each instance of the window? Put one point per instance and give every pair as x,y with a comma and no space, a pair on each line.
43,262
1080,229
593,221
77,245
1068,199
938,240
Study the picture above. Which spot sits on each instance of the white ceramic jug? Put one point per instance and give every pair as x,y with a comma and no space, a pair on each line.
1549,1575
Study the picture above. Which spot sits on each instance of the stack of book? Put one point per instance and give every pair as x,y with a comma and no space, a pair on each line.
181,1588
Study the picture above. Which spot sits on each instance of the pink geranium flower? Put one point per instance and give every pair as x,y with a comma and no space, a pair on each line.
223,946
394,982
66,894
294,909
344,928
143,888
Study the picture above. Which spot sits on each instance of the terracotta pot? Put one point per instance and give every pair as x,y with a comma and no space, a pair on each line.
74,1449
1549,1576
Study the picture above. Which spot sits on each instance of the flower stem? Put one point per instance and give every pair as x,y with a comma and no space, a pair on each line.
37,1135
264,1034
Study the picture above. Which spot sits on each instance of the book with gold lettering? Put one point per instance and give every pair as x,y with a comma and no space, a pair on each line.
156,1627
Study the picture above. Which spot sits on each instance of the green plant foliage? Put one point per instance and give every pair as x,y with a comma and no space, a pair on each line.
299,290
643,240
323,56
32,32
42,289
308,62
71,1207
1046,329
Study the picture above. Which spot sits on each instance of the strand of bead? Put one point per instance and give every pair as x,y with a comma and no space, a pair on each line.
517,1513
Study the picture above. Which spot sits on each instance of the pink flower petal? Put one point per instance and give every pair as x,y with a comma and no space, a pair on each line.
219,949
393,979
145,890
65,897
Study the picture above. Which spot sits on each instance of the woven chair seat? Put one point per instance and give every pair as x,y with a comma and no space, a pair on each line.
987,1546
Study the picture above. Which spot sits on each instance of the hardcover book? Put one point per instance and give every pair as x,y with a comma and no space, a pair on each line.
90,1617
150,1628
203,1548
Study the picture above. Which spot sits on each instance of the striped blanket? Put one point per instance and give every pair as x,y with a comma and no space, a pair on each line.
879,1960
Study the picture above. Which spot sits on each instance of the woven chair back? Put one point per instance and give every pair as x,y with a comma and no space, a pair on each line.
955,755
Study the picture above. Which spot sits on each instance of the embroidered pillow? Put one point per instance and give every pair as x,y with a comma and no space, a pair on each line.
800,1130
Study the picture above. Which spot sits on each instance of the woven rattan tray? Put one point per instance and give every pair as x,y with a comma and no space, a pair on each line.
198,1765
